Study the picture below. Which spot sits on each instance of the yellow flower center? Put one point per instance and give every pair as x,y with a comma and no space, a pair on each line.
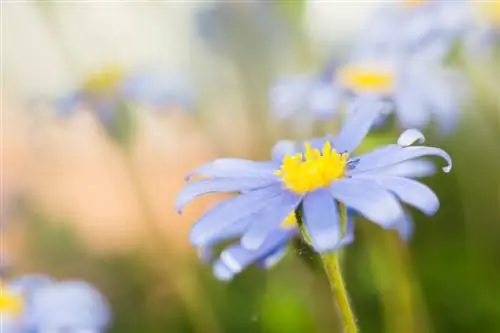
367,80
307,172
490,11
104,81
10,304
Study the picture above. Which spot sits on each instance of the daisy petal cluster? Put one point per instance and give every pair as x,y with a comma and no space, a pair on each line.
35,303
317,179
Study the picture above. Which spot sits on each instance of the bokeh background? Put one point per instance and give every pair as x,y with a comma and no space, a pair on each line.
83,198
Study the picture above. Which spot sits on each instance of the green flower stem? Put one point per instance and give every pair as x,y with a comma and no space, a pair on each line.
331,264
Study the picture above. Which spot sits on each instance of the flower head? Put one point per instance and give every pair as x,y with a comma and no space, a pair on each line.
15,301
103,91
314,178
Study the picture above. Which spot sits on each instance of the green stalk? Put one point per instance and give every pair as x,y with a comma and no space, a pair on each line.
331,264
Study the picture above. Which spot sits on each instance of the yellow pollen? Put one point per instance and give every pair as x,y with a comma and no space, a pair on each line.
104,81
490,11
10,304
289,222
363,80
307,172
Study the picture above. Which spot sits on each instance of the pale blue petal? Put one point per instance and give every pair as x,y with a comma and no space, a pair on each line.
368,199
394,154
359,121
274,258
222,272
324,100
287,96
28,284
221,185
283,148
409,191
234,168
410,136
230,211
269,219
411,169
71,305
237,257
156,90
411,111
444,104
405,227
235,230
321,218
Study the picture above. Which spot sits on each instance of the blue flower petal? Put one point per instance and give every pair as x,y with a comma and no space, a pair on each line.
369,199
411,111
235,168
324,100
274,258
218,185
394,154
235,230
230,211
222,272
409,191
411,169
269,219
237,257
321,218
73,305
405,227
359,121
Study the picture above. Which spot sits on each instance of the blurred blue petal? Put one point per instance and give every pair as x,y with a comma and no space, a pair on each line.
234,168
158,91
237,257
69,306
360,120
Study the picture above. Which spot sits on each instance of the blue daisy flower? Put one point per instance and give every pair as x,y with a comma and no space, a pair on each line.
15,302
417,92
73,306
103,91
316,179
